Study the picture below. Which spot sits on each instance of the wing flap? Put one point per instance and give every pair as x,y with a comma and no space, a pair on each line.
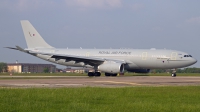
77,59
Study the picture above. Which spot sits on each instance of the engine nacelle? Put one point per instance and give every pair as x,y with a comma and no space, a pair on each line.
111,67
139,70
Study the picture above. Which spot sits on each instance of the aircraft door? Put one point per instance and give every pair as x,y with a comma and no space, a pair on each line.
173,56
145,61
87,54
144,56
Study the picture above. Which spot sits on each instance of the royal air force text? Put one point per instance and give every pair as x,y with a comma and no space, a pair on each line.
115,52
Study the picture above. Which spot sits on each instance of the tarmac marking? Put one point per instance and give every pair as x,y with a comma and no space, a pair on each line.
128,83
28,84
68,84
192,77
193,80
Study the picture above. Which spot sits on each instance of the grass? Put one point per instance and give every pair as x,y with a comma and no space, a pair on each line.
96,99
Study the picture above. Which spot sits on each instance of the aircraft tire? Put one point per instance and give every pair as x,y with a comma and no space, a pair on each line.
97,74
114,75
107,74
173,74
91,74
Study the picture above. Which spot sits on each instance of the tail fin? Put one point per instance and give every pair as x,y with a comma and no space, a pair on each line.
33,38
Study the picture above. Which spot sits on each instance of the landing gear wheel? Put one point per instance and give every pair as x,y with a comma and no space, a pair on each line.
91,74
173,74
97,74
114,75
107,74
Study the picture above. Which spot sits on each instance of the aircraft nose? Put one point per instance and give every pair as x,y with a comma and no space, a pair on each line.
193,61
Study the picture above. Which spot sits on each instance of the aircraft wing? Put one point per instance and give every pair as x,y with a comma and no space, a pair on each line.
85,59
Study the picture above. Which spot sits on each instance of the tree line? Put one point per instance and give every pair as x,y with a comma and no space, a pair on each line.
189,70
3,67
182,70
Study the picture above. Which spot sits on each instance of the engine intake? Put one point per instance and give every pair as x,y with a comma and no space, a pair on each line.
111,67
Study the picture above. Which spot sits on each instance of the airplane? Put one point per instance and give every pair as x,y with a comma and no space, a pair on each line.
109,61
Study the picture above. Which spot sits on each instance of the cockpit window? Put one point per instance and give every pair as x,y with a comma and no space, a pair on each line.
187,56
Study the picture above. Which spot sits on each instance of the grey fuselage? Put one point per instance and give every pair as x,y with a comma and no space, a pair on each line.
134,58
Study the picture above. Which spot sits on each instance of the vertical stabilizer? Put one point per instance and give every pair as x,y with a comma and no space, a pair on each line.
33,38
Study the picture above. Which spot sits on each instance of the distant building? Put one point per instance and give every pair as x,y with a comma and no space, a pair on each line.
30,67
77,70
60,70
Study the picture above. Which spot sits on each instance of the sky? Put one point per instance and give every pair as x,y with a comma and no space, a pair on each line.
137,24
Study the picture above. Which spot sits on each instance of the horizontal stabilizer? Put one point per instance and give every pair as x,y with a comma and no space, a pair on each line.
11,48
17,48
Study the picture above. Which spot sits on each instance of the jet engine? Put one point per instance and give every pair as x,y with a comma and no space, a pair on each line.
111,67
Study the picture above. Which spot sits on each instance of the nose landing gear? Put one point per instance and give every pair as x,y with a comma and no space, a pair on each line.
174,73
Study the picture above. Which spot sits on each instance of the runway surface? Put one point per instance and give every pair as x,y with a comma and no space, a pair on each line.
84,81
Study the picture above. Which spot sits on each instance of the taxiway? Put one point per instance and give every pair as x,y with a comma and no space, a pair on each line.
84,81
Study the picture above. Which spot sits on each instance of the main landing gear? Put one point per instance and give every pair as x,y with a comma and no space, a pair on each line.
109,74
174,73
96,74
